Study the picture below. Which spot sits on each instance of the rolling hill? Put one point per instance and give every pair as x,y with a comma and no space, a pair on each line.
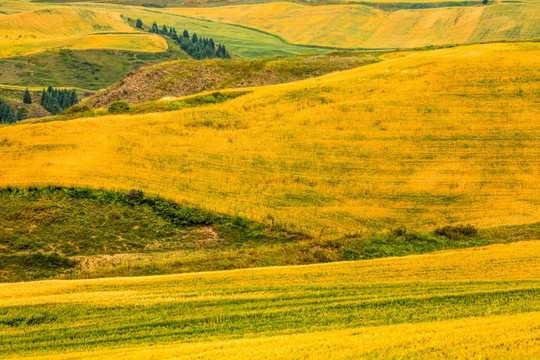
421,139
243,42
361,26
187,77
481,302
45,29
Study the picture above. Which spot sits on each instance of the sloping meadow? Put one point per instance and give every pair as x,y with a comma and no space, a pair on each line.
422,140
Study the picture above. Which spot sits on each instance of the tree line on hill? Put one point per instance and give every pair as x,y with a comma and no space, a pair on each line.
57,100
6,114
197,47
53,100
9,116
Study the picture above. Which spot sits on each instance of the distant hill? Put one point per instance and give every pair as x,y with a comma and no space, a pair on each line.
44,29
186,77
369,26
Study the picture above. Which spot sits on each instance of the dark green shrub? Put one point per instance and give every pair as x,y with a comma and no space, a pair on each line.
118,107
77,109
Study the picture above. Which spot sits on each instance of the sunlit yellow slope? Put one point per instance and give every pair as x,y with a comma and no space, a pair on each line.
40,30
474,303
364,26
425,139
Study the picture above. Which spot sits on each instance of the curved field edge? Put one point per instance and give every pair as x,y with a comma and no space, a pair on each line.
425,304
404,142
150,43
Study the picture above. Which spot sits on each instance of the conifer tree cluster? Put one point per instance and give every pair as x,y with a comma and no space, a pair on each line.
197,47
6,114
57,100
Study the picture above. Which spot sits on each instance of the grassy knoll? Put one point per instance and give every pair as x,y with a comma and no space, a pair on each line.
452,304
422,140
183,77
44,29
83,233
88,69
370,27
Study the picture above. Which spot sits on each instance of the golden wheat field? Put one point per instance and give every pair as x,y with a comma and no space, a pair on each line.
60,28
420,139
474,303
370,27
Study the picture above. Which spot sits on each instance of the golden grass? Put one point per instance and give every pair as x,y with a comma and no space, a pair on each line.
368,27
133,42
60,22
40,30
513,336
461,276
427,139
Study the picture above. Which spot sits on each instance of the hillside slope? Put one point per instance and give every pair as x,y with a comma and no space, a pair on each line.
88,69
173,79
369,27
475,303
426,139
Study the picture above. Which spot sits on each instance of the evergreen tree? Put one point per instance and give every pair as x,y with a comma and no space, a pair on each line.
185,34
27,98
164,30
194,39
6,114
21,114
43,96
139,24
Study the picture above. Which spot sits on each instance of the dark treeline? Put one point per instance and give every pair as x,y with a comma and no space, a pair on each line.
197,47
57,100
6,114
